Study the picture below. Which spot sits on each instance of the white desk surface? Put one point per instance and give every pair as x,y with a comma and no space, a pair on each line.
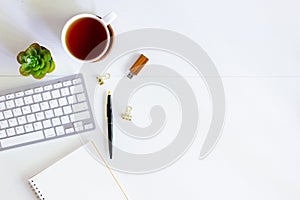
255,47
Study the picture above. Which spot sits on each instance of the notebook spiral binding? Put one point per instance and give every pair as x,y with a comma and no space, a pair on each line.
36,190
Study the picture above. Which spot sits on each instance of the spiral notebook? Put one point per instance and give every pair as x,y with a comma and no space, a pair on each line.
78,176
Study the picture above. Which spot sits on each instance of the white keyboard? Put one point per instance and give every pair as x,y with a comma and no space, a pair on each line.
44,111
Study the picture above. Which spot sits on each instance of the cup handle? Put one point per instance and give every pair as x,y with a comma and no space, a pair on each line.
109,18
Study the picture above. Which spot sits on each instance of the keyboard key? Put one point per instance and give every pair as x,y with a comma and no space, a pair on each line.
49,114
53,103
26,110
22,120
31,118
37,98
10,104
67,83
40,116
64,92
88,126
10,96
63,101
81,97
76,89
48,87
20,94
2,133
38,126
47,123
78,126
57,85
58,112
38,90
46,96
35,107
2,106
3,124
56,121
2,98
67,110
69,130
8,114
19,102
79,107
80,116
28,128
20,130
12,122
10,132
72,99
1,115
17,112
28,100
49,133
29,92
45,105
60,130
55,94
22,139
76,81
65,119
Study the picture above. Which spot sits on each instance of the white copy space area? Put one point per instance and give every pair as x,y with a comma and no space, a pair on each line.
255,47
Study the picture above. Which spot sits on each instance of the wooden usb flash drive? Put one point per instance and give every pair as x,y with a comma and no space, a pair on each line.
137,66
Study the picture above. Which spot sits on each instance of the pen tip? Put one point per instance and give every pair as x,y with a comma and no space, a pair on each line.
108,92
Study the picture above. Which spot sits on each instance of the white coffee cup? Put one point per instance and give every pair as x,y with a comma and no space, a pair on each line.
84,31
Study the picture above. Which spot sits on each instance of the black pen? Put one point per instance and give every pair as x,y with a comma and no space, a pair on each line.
109,116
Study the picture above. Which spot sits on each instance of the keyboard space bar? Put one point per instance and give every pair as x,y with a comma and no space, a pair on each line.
22,139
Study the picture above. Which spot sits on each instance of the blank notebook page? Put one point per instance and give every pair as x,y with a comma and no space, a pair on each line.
77,176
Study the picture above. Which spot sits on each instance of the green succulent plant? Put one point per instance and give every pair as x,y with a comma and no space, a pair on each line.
36,60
